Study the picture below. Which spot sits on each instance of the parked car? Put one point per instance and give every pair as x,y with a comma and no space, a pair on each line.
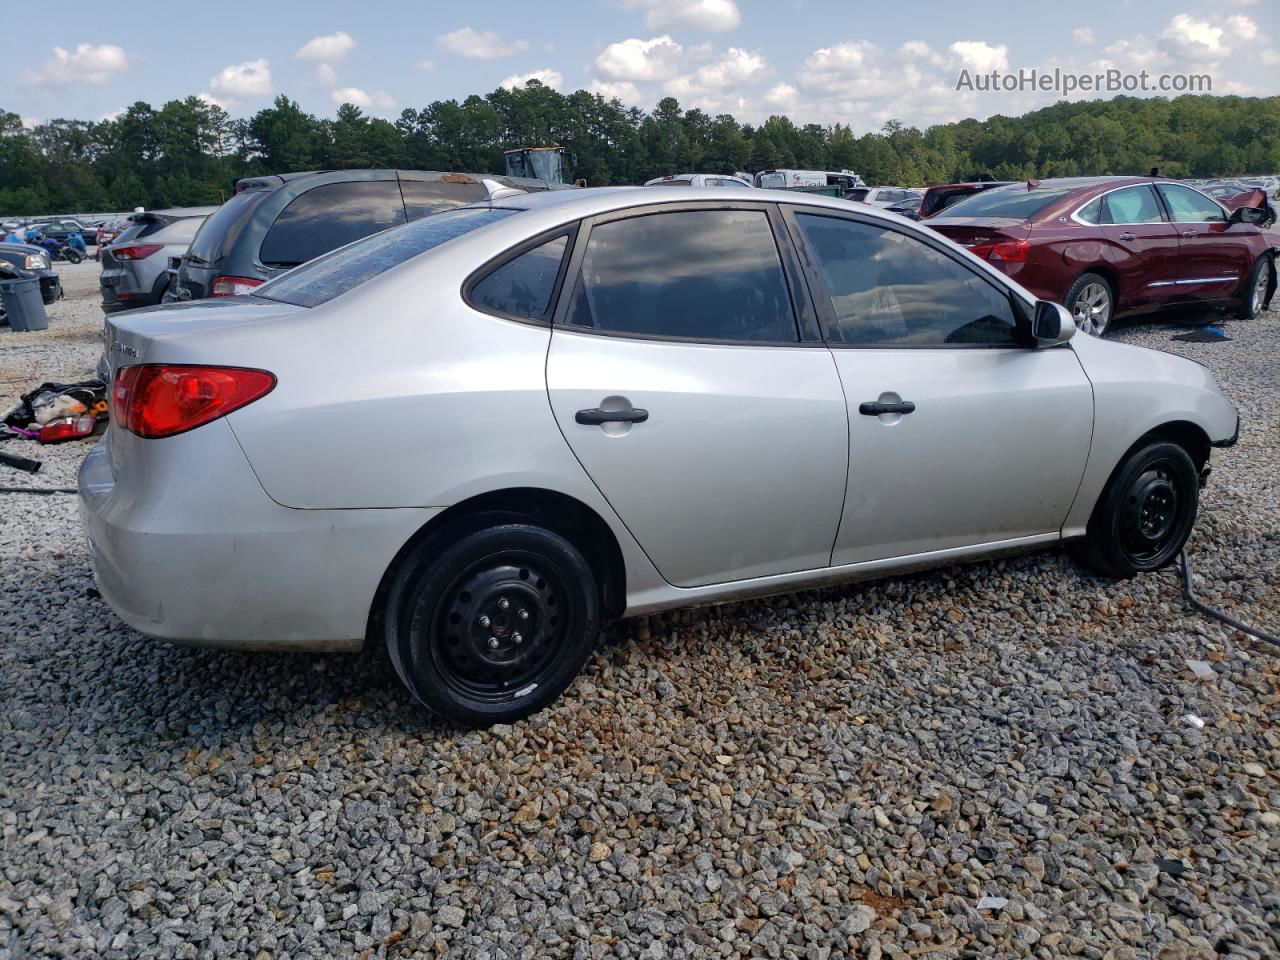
134,265
882,196
698,180
61,230
1108,247
782,179
477,437
909,208
274,223
29,261
938,198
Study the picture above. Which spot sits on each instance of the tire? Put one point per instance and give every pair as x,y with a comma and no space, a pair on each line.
1258,288
74,256
1145,514
490,622
1082,300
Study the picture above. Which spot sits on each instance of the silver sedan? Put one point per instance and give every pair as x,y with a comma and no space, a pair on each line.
477,437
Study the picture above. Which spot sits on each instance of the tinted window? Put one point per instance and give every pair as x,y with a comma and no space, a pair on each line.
888,288
424,197
1131,205
223,227
1189,206
1016,202
730,182
179,231
329,216
1091,212
704,274
858,193
321,280
522,287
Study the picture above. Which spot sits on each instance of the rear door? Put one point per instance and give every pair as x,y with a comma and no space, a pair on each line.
1143,242
1213,256
710,419
958,434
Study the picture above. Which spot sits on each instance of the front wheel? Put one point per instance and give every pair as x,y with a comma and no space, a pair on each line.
1091,302
73,256
493,623
1145,514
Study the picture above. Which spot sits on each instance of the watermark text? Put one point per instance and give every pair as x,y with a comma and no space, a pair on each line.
1065,82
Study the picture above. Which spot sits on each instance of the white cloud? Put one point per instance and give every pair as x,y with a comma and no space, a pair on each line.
1136,53
112,115
640,61
1271,58
378,100
30,123
980,56
331,48
735,68
1083,35
89,63
919,50
240,81
546,76
325,75
480,44
710,15
1192,39
213,101
622,90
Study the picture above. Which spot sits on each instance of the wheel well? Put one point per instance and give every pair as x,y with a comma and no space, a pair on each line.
570,518
1185,434
1112,280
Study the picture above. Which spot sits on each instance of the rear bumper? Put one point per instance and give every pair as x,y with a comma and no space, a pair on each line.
195,552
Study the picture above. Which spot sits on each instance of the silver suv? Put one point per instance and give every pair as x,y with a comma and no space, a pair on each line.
135,265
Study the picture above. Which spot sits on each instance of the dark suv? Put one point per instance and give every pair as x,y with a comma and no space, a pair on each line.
274,223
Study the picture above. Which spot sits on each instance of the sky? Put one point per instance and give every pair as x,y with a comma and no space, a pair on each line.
819,61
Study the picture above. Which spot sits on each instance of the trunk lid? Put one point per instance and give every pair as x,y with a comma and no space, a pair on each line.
969,232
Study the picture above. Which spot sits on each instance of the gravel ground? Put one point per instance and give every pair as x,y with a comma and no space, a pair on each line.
838,773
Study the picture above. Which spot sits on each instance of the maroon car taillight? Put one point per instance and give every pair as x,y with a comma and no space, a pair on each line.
155,400
1010,251
228,286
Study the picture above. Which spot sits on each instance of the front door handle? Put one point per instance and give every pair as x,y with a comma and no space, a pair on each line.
873,408
1188,235
1128,236
594,416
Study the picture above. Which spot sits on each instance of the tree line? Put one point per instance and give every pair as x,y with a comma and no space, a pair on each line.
190,152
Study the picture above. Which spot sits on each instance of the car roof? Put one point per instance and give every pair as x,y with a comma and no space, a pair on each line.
23,248
590,201
175,213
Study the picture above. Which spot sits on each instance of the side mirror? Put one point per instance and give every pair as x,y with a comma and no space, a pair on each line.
1051,325
1255,215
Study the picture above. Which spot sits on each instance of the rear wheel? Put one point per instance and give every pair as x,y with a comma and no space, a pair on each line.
492,622
1258,288
1091,302
1145,515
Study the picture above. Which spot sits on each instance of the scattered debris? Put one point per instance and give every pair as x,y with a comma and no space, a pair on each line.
993,903
1202,669
1210,333
1191,720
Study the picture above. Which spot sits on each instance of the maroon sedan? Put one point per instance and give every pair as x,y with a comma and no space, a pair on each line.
1107,247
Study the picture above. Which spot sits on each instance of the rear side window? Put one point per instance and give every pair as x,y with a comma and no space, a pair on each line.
323,279
522,286
1131,205
329,216
425,197
697,274
179,231
891,289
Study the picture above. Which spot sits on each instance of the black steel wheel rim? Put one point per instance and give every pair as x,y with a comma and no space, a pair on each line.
1154,513
501,627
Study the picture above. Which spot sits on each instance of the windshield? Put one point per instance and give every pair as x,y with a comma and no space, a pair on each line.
217,234
1015,202
319,281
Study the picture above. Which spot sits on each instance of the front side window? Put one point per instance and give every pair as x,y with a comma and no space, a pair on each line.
1190,206
697,274
522,286
1131,205
329,216
890,289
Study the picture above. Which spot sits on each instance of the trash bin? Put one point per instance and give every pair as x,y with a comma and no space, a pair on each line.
24,305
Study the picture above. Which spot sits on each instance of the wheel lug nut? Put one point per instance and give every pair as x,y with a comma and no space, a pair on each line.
517,638
523,614
484,622
504,603
493,643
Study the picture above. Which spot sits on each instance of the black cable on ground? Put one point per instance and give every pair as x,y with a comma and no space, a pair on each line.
38,490
1200,606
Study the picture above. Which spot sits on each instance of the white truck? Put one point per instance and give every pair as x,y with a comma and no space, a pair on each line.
807,179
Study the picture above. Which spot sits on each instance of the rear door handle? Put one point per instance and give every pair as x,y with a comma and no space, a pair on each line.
873,408
1188,235
594,416
1128,236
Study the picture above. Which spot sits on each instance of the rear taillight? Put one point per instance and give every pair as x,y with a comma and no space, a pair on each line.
155,400
136,251
67,428
1010,251
233,286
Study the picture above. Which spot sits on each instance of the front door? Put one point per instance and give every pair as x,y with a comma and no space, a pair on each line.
678,376
958,434
1215,262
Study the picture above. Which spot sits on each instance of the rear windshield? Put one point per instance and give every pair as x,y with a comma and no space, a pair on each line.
319,281
222,227
1015,202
